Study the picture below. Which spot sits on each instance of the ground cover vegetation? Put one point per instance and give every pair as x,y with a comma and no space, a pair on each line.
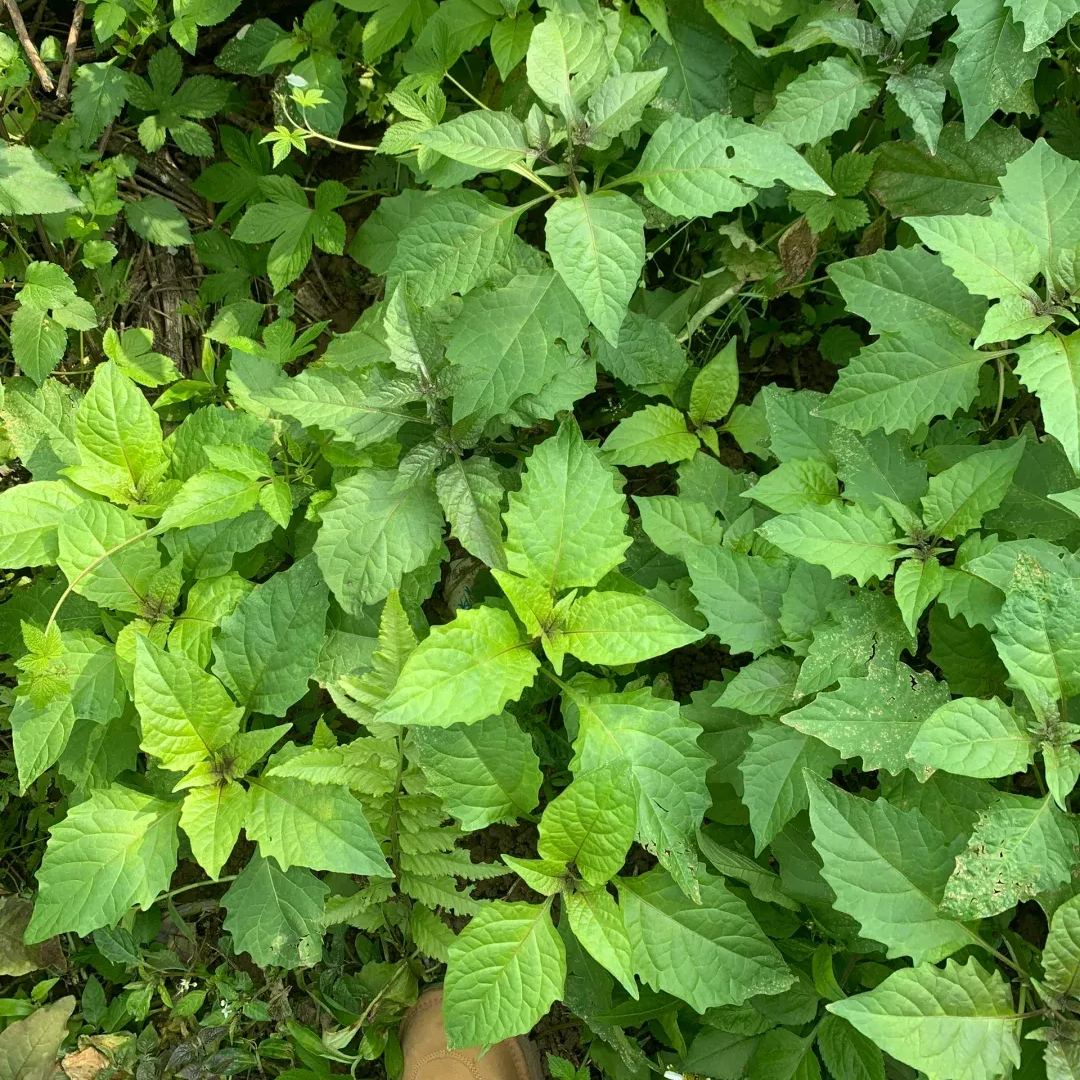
574,500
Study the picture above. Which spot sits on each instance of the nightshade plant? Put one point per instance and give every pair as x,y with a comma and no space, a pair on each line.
589,514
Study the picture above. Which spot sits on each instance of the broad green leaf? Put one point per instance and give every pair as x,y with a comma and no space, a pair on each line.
567,524
657,745
847,1053
697,169
794,485
844,538
471,493
992,70
509,953
591,823
158,220
212,818
208,497
484,138
888,868
916,585
510,41
875,717
764,687
29,1047
116,427
960,496
597,246
29,186
97,98
107,555
740,596
511,342
1020,847
39,734
618,103
464,671
1061,953
267,648
598,924
452,244
115,850
1042,19
822,100
38,342
546,878
619,628
973,737
185,714
715,387
678,525
774,771
648,355
567,59
654,434
953,1023
276,916
373,534
483,772
319,826
1049,366
208,601
30,514
708,955
920,92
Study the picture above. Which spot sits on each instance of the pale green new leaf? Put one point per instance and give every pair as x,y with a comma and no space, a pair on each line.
822,100
267,648
960,496
115,850
620,628
567,524
700,168
373,534
1061,953
315,825
462,672
888,869
566,60
844,538
598,924
952,1023
184,713
794,485
916,585
506,968
275,915
212,818
1020,847
1049,366
30,514
597,246
210,496
715,387
29,186
876,716
709,954
618,103
484,138
483,772
678,525
39,734
974,737
654,434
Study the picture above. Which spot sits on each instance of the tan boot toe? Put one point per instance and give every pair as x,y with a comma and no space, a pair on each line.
427,1057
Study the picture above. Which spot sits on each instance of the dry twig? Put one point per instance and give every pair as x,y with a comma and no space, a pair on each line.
75,29
32,55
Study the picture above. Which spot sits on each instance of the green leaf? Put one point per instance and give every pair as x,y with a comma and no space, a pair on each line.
654,434
158,220
566,60
185,714
708,955
1061,953
510,41
597,246
462,672
598,924
511,342
373,534
30,514
208,497
916,585
1020,847
483,772
920,92
794,485
619,102
276,916
774,771
960,496
973,737
715,387
29,1047
212,818
822,100
471,493
992,70
510,953
1042,19
888,869
875,717
319,826
1049,366
112,851
29,186
697,169
39,735
657,746
484,138
567,525
847,1053
953,1023
37,342
591,823
844,538
678,525
97,98
266,650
